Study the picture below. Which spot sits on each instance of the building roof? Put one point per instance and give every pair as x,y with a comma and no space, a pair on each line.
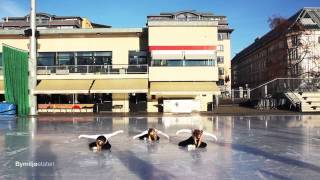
192,15
54,21
43,14
308,17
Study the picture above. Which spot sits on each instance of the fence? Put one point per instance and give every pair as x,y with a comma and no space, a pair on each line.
282,85
102,69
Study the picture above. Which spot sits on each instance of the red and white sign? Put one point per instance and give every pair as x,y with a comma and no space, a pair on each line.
183,52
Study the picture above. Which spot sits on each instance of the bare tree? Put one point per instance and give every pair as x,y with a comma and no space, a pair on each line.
300,47
276,20
303,62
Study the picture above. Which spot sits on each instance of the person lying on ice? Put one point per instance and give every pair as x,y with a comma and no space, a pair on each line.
101,142
150,135
195,141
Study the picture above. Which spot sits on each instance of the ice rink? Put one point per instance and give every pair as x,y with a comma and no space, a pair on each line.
248,147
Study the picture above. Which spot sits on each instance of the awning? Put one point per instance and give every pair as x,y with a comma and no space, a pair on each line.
120,86
63,87
183,88
200,54
167,54
1,87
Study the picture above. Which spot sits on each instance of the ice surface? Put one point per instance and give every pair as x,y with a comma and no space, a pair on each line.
255,147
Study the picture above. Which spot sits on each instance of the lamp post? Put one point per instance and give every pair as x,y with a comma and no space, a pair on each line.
33,61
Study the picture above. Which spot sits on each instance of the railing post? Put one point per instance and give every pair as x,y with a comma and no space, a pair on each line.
265,90
240,92
232,95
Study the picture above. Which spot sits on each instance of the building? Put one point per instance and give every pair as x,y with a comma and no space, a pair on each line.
168,66
290,50
48,21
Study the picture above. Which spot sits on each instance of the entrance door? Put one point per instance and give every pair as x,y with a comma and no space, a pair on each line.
138,102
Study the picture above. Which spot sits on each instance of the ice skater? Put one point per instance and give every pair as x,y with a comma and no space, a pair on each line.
101,142
150,135
195,141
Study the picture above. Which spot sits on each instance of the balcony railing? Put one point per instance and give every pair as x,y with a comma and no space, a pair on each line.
93,69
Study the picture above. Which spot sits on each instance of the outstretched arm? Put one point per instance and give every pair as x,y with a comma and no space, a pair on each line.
97,135
112,134
211,135
163,134
88,136
184,131
141,134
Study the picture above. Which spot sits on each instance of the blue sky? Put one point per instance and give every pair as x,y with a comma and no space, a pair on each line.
248,17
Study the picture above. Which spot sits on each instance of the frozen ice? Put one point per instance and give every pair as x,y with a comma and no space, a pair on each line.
248,147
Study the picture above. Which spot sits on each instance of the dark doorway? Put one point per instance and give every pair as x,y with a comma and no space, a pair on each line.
102,103
138,102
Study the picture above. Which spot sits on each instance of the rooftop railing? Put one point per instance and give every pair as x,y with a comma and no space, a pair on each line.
93,69
182,19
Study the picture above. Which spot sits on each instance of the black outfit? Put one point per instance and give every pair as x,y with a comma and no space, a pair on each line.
190,141
146,136
106,146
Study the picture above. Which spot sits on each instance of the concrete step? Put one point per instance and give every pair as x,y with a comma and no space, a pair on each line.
311,98
310,108
309,94
313,103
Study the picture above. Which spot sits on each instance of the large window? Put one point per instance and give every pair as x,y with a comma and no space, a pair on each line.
65,58
189,62
102,58
85,58
137,57
46,59
93,58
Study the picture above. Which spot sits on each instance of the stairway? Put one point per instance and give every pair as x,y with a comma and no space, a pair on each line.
310,101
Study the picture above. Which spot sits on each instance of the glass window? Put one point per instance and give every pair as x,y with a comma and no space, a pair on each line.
221,71
223,36
220,48
46,59
220,82
174,62
220,59
197,62
189,62
66,58
84,58
156,62
137,57
102,58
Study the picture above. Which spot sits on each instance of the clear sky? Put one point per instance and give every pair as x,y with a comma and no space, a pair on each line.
248,17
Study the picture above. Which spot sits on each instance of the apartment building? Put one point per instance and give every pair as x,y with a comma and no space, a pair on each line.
169,66
292,49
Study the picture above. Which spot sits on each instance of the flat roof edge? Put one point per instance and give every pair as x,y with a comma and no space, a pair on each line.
76,31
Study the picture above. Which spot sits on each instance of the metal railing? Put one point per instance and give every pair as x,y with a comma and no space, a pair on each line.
282,85
96,69
184,19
